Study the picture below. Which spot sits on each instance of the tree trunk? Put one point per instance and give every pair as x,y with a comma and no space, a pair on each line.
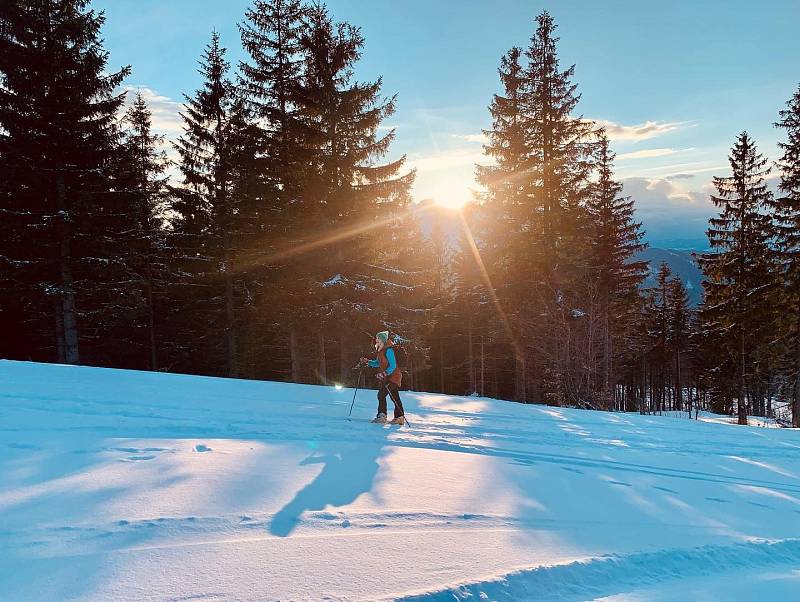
483,370
741,408
61,357
473,386
678,391
519,375
230,324
69,319
344,367
151,323
441,365
323,362
796,401
606,345
294,352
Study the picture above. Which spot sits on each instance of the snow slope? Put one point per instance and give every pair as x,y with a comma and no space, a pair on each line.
119,485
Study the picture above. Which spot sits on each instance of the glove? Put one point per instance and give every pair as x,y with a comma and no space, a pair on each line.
381,376
364,361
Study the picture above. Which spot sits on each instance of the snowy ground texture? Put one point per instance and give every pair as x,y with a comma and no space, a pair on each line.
120,485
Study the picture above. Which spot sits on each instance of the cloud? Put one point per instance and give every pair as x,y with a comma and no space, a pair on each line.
668,212
454,158
640,131
652,152
677,171
166,118
474,138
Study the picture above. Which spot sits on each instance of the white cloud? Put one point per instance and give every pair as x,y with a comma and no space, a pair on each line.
166,119
652,152
640,131
454,158
673,171
669,212
474,138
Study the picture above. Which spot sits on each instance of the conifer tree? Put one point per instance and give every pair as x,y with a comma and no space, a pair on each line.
537,193
268,84
737,268
271,36
58,136
142,184
662,314
505,180
506,243
615,239
561,147
207,202
348,200
679,331
787,225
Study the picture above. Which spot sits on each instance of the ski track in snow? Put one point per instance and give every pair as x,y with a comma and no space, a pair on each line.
139,486
607,575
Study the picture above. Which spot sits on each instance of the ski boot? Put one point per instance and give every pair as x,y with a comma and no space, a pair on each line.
400,421
379,419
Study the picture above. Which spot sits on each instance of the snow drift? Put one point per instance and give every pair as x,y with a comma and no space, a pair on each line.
118,485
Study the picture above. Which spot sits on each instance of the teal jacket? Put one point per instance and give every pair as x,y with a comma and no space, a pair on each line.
389,358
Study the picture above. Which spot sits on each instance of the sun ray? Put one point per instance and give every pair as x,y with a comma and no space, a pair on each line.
338,236
487,281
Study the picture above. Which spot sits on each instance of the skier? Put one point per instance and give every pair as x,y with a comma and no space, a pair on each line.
389,377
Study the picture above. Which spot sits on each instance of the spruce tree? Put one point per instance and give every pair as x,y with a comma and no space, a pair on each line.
142,184
536,195
661,334
615,239
505,180
787,224
58,137
738,267
271,35
268,85
561,148
679,331
348,203
506,243
207,206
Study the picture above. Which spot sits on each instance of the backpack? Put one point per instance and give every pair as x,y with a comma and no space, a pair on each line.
401,356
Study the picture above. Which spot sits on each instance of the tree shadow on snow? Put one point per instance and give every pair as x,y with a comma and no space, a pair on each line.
348,470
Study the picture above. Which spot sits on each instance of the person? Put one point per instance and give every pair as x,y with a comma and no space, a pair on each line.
389,378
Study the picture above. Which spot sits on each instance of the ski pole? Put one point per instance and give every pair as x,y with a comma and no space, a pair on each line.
358,384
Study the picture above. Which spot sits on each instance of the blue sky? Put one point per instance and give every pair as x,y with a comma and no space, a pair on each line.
675,81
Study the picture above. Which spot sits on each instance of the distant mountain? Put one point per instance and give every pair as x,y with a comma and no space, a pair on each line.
679,244
678,257
682,264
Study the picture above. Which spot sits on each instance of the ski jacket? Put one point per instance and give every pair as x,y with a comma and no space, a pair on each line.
387,362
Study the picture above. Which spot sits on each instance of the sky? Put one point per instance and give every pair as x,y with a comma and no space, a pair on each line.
674,82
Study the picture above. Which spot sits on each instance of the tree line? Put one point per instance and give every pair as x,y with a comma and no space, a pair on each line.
282,236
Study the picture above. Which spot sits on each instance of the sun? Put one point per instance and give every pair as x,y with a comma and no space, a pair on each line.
456,203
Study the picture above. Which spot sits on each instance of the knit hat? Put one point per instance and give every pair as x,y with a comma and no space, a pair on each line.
383,336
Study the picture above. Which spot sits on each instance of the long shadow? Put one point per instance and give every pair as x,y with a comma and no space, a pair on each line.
348,470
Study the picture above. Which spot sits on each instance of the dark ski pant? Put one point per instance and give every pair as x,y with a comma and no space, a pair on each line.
389,388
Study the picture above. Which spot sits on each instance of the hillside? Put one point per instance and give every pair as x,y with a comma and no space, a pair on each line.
118,485
682,264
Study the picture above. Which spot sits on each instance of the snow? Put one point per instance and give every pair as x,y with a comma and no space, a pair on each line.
120,485
760,421
337,279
